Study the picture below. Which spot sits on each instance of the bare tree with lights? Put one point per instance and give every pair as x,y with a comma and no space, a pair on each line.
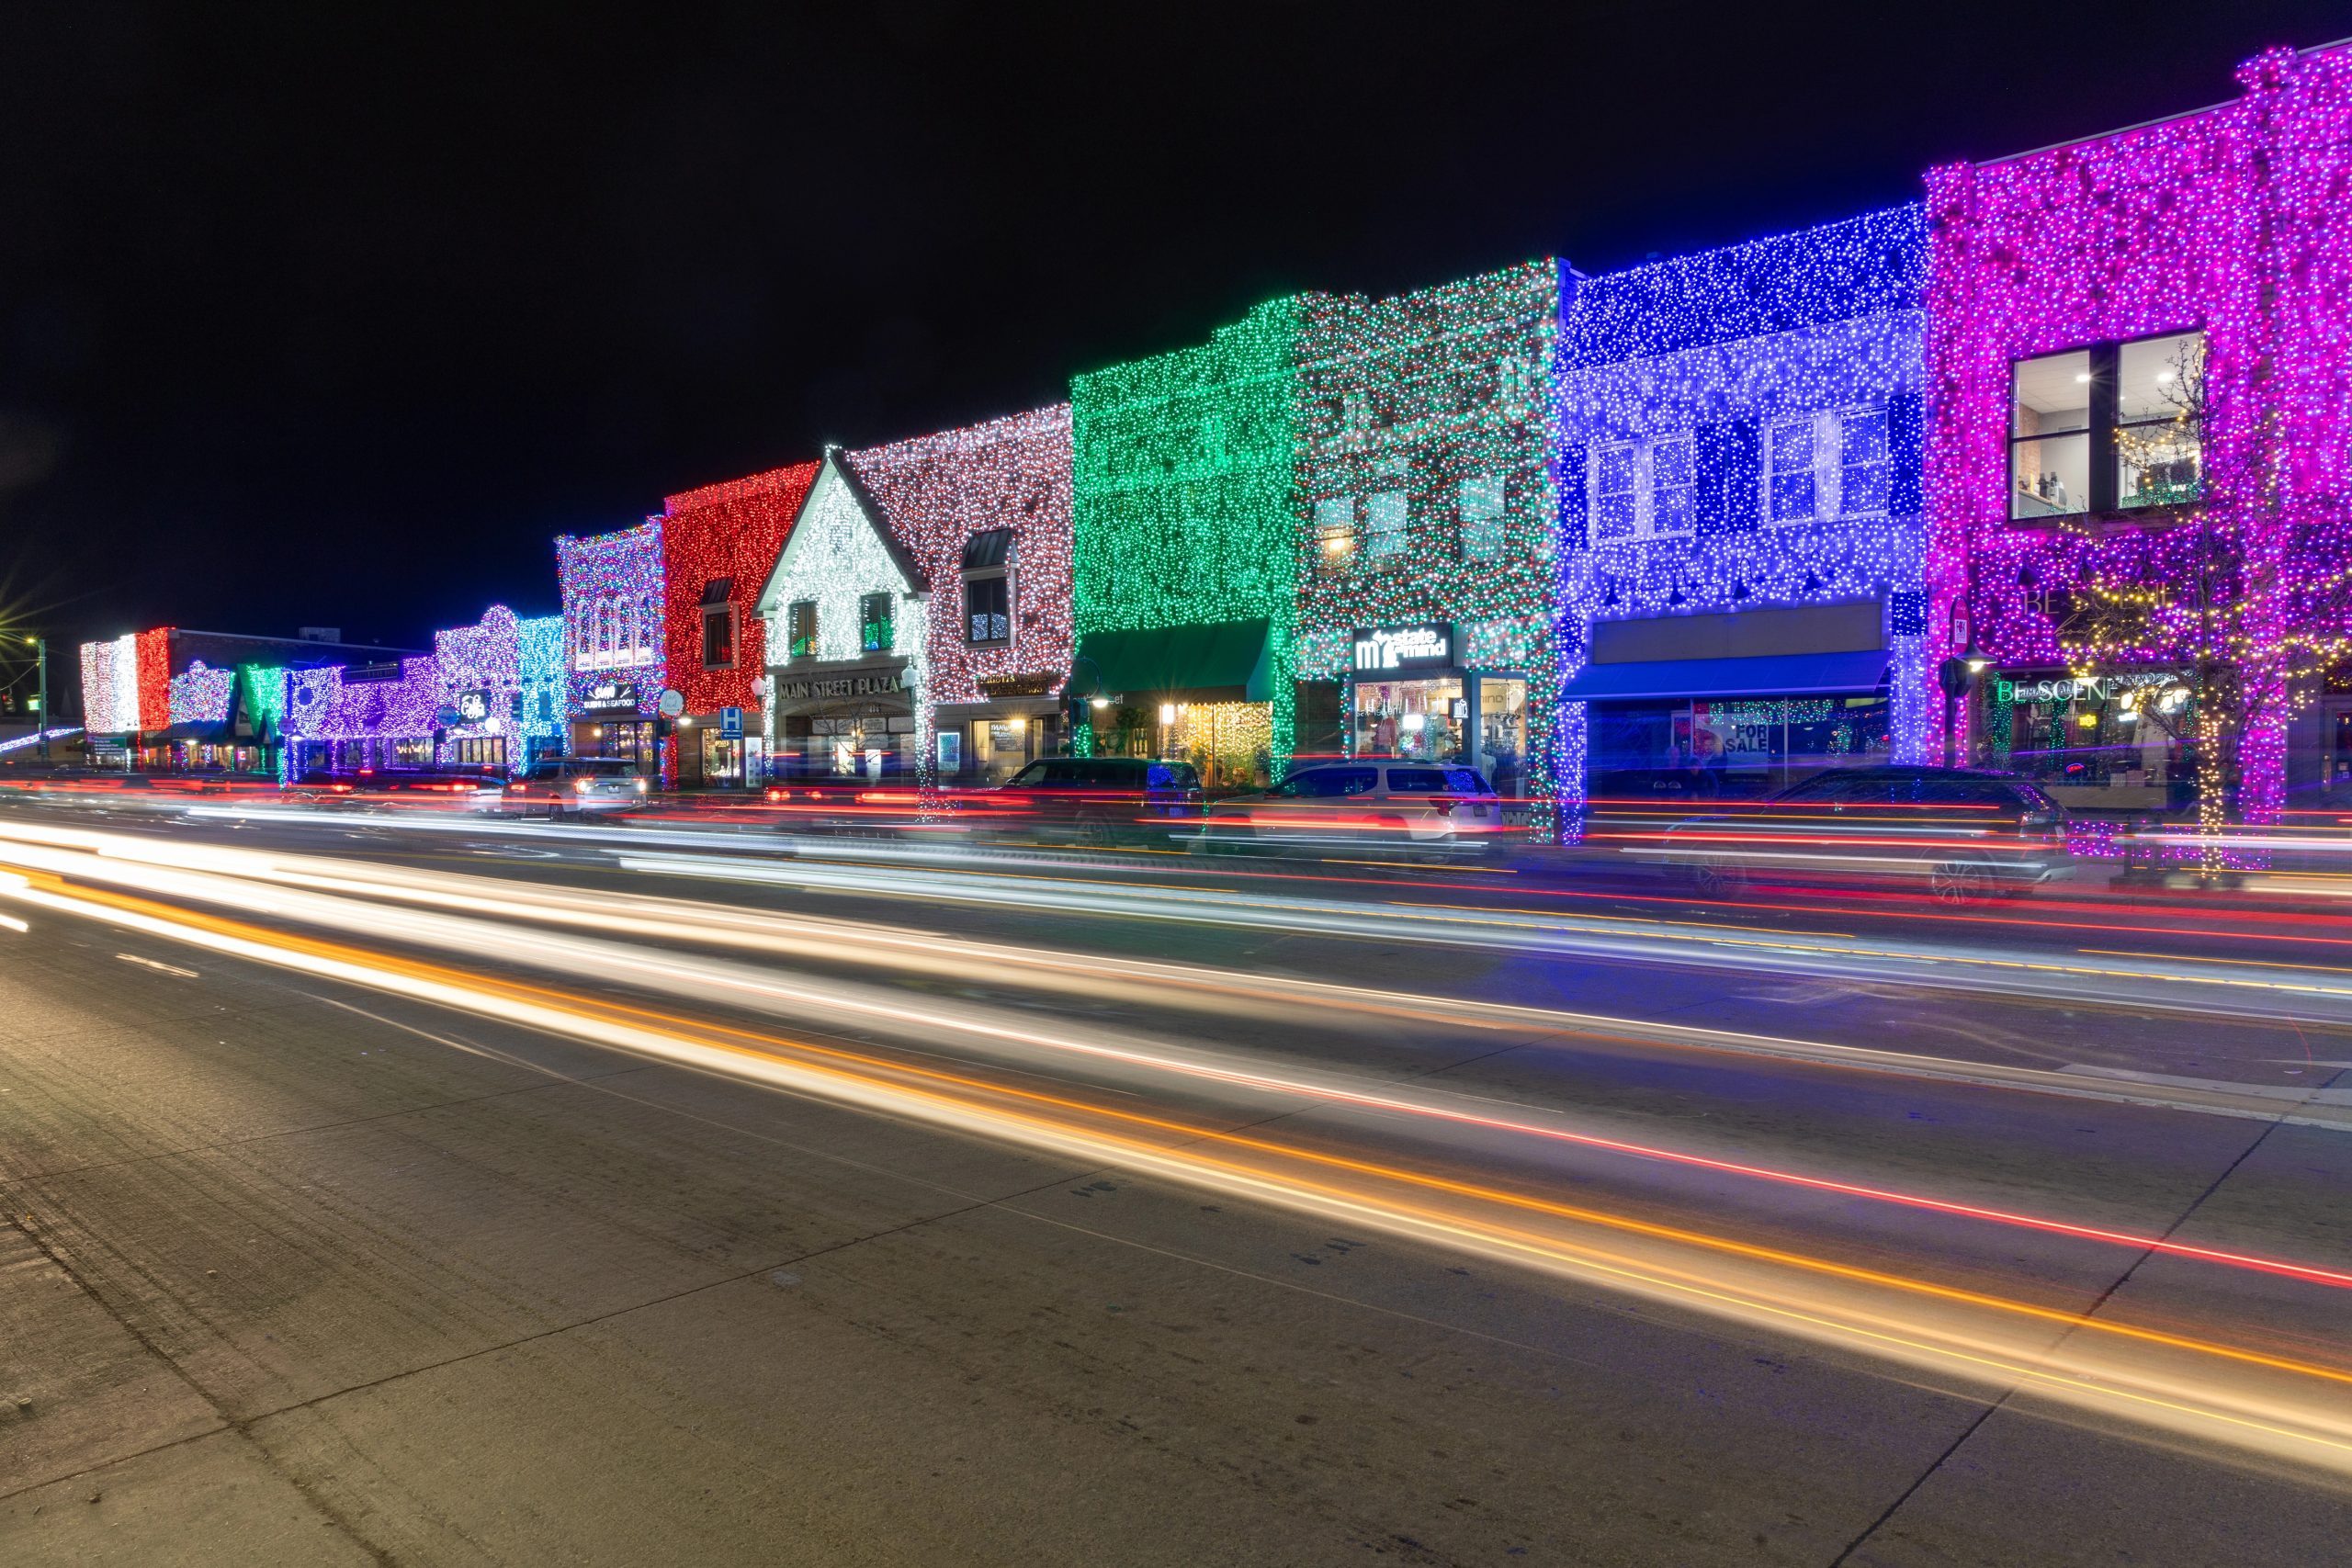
2255,604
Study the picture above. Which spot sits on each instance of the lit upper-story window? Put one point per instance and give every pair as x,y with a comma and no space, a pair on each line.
875,615
1615,494
800,629
1863,463
989,561
1335,531
1670,486
1483,497
2106,428
1791,490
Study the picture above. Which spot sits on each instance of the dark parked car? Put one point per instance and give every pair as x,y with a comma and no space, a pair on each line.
1094,800
1967,833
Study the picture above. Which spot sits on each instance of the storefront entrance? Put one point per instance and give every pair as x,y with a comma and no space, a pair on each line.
631,741
729,762
2119,740
1730,747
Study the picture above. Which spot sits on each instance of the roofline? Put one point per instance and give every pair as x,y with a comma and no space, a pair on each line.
295,641
2145,124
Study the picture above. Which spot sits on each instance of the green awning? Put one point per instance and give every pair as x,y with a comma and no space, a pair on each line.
1228,661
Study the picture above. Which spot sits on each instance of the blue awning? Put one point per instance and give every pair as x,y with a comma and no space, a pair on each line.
1772,675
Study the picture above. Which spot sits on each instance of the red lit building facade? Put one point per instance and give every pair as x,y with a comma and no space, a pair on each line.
718,545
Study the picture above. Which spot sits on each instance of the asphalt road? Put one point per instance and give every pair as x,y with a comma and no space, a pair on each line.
423,1192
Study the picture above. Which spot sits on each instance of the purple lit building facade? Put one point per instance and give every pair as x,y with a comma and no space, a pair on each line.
2074,293
1742,597
613,668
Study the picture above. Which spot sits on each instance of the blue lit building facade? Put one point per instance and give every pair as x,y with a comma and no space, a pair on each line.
1741,547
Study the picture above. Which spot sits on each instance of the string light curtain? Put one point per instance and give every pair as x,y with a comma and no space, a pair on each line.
936,492
1434,400
110,685
1673,379
732,531
601,577
2228,221
1181,494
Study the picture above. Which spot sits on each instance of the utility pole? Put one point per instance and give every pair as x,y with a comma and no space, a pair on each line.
40,720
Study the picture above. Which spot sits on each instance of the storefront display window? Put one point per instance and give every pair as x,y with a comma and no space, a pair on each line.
1420,719
2117,742
1735,747
1230,744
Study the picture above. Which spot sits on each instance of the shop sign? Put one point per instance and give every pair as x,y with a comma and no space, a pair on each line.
850,684
1426,645
472,706
611,696
2081,688
1029,683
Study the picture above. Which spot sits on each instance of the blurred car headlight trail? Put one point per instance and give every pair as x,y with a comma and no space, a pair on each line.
2285,1406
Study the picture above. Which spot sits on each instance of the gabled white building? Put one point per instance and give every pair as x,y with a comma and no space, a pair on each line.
845,607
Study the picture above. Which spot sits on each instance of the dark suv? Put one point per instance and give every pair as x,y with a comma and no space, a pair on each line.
1967,833
1095,800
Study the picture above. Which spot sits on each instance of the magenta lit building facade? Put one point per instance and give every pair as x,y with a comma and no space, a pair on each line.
2074,295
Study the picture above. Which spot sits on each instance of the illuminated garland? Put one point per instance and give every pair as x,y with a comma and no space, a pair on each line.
734,530
1684,367
937,492
611,583
1181,494
836,556
2227,222
1436,398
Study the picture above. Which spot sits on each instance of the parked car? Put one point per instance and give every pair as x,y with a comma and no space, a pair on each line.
576,786
416,788
1102,801
1381,803
1967,833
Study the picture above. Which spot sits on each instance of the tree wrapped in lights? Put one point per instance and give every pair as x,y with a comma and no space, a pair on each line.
2256,607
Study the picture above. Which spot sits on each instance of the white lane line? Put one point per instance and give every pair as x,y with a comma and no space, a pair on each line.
152,964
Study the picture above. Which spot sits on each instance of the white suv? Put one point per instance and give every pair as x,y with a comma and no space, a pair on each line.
1366,802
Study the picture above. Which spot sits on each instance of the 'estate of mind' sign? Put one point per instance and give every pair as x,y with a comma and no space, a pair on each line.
1427,645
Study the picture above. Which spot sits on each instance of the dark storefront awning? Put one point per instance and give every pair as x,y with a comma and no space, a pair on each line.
1775,675
1228,661
202,734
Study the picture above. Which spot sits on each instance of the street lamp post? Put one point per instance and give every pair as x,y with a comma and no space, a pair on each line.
1956,675
41,719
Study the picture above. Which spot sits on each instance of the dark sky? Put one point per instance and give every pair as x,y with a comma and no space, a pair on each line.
335,314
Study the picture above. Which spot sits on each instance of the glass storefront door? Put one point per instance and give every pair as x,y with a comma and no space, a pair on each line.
722,758
1502,733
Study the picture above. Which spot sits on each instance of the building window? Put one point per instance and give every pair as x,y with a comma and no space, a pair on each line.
1789,483
988,610
800,629
649,616
990,558
874,630
1335,530
1483,498
1861,463
2159,409
1384,524
1613,494
1670,475
719,636
2109,427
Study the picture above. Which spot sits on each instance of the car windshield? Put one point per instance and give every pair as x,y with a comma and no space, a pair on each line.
598,768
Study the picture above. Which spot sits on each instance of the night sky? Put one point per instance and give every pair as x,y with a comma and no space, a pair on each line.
335,314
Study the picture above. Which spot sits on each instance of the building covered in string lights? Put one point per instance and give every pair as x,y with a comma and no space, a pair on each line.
1184,552
985,512
718,545
616,656
1742,593
843,613
2136,451
1426,517
502,685
173,700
